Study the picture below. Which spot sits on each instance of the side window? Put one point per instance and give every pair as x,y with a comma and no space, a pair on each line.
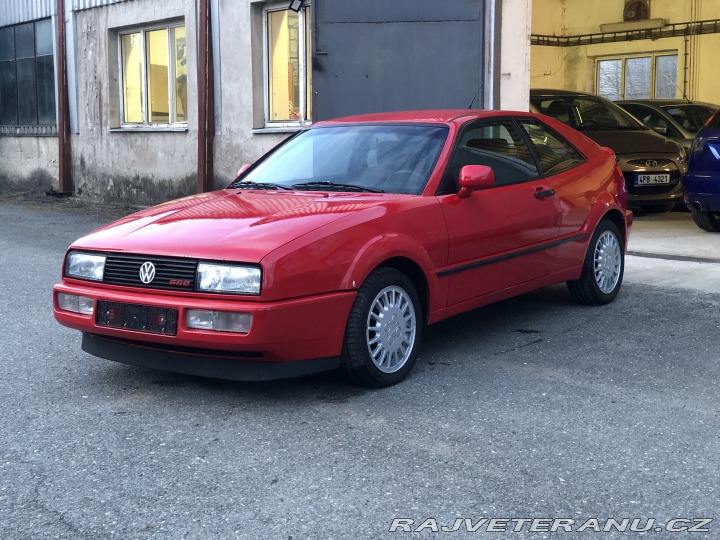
653,119
496,144
554,153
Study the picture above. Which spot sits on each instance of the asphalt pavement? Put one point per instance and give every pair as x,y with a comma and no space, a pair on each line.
535,412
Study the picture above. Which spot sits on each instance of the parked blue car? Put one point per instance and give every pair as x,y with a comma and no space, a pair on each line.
701,184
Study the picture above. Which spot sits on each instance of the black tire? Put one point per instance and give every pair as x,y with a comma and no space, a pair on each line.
383,357
600,280
707,221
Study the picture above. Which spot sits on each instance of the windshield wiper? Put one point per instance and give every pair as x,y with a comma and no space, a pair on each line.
257,185
321,186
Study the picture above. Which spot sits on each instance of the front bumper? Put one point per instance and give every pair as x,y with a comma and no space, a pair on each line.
284,331
201,363
652,195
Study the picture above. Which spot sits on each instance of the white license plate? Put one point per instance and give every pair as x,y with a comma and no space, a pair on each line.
651,179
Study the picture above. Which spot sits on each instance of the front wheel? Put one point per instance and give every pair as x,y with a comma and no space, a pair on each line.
707,221
384,330
602,270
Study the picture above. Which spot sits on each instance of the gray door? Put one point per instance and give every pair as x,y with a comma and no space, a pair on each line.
390,55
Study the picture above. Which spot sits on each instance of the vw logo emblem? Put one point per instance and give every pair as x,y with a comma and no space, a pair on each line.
147,272
651,163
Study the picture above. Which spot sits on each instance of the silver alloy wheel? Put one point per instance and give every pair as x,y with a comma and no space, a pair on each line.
607,262
391,329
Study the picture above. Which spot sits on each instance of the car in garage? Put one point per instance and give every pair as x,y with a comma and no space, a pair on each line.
701,183
339,246
652,164
677,119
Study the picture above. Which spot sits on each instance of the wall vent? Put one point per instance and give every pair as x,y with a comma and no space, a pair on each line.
636,10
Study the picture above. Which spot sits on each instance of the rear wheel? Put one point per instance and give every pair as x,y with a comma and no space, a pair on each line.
707,221
603,267
384,330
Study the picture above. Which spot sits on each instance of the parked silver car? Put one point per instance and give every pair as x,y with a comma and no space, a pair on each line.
677,119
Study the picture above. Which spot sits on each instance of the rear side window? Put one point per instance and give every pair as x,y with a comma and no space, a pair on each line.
498,145
714,122
554,153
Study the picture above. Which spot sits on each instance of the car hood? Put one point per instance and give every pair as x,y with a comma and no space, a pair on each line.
227,224
633,141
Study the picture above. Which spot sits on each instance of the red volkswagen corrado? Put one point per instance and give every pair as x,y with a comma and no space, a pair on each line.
340,245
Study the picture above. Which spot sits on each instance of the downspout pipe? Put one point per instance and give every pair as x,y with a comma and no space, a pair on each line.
206,101
65,180
493,26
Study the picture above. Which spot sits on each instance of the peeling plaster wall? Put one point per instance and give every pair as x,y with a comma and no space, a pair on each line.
573,68
129,166
28,164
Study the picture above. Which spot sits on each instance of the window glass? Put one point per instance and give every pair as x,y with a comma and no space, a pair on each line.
24,41
45,70
43,38
690,116
637,78
27,95
154,76
388,158
284,68
7,43
288,72
27,75
554,153
610,78
158,74
180,74
666,72
308,65
8,93
498,145
132,77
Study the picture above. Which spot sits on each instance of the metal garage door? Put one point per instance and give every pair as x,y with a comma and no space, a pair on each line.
389,55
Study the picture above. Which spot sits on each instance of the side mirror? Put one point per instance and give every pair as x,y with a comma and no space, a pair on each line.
474,177
662,130
242,169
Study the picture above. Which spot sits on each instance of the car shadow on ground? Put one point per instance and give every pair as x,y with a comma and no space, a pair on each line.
518,321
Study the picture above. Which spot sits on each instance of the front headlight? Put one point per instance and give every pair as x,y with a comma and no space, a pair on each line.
83,265
229,279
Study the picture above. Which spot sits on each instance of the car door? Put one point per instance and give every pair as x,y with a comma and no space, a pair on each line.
501,236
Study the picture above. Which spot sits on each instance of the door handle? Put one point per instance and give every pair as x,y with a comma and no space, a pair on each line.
544,193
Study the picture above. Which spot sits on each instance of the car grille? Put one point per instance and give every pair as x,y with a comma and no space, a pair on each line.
654,163
171,273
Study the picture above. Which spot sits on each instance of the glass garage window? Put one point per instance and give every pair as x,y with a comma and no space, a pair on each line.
638,77
27,75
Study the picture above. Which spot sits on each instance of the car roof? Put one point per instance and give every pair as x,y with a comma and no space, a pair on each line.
444,116
548,92
666,101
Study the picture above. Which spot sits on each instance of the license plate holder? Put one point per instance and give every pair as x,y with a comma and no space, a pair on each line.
137,317
652,179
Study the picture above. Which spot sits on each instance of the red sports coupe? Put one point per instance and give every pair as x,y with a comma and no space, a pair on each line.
340,245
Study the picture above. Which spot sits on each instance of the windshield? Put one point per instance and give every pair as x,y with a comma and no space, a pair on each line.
691,116
586,112
380,158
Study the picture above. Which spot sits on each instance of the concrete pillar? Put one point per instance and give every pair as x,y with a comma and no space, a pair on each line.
514,69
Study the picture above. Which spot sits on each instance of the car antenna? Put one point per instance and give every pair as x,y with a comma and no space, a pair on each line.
476,95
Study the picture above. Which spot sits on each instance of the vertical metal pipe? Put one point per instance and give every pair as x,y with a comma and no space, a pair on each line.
65,171
206,101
